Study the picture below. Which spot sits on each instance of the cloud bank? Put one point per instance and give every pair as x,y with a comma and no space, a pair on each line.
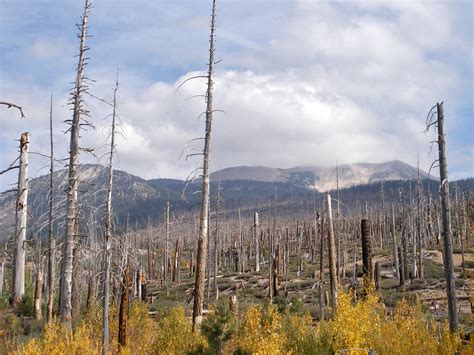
302,83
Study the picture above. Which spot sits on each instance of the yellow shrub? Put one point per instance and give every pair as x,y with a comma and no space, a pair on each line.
87,337
301,335
175,335
261,331
59,340
355,325
141,330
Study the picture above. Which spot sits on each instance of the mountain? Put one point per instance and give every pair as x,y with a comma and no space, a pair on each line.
323,179
291,191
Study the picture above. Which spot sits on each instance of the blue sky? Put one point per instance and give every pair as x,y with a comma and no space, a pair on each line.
302,82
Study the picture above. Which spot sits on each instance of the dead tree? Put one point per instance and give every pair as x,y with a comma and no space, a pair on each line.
241,246
418,227
139,284
174,277
122,335
256,240
216,238
445,213
167,240
332,253
366,252
71,204
2,269
20,226
377,275
38,288
203,219
51,239
91,294
394,245
108,227
402,271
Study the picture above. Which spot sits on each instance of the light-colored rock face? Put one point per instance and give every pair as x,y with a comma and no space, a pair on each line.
323,179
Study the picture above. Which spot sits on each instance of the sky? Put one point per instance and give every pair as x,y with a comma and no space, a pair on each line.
300,82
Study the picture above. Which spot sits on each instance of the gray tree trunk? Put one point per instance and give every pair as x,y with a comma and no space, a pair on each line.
51,239
394,245
418,227
71,204
332,253
108,230
448,249
366,252
256,240
203,219
38,289
2,269
216,238
20,226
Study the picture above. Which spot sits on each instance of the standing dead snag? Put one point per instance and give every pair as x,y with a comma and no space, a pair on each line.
38,288
216,239
71,204
394,245
51,239
203,219
332,253
122,335
445,207
20,226
256,240
418,225
366,252
108,227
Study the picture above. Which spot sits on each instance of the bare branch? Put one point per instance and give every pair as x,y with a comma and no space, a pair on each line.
9,105
191,78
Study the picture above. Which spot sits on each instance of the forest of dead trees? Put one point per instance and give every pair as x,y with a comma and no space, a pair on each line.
76,260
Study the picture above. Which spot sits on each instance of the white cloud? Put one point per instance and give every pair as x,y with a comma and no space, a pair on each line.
302,84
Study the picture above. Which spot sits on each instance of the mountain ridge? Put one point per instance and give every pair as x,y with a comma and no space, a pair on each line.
323,178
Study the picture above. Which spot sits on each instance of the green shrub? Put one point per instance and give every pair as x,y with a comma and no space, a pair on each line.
219,327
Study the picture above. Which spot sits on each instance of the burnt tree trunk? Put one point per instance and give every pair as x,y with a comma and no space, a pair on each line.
366,252
122,335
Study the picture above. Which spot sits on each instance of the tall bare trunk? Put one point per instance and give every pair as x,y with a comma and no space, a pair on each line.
366,252
257,242
394,245
332,253
71,213
166,251
20,226
51,239
122,335
108,229
216,238
418,227
203,225
445,206
241,244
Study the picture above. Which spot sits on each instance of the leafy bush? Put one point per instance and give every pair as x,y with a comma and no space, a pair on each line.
87,337
260,331
175,336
